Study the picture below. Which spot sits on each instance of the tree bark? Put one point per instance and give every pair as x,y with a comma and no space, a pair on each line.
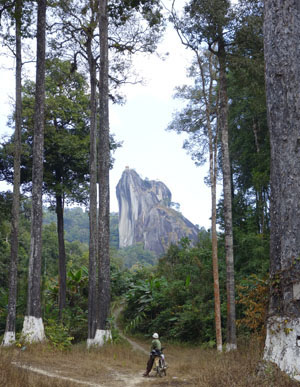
61,254
104,163
227,187
260,199
10,329
34,274
212,140
92,300
282,70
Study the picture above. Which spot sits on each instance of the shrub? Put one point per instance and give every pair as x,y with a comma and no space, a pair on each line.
58,335
253,296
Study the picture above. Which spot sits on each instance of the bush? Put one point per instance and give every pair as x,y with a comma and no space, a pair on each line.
253,297
58,335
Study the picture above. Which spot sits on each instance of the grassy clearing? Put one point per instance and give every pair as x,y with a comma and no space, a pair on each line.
187,367
94,366
237,368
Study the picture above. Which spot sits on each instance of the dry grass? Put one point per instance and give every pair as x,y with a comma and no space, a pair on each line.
12,376
187,367
94,366
207,367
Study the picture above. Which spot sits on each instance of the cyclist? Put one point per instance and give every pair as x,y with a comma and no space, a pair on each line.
155,347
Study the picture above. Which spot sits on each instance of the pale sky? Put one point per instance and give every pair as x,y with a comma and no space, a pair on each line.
140,124
148,148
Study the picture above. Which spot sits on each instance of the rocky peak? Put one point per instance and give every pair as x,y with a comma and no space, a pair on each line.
145,214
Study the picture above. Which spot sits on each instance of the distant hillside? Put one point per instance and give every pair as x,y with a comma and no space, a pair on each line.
76,223
77,229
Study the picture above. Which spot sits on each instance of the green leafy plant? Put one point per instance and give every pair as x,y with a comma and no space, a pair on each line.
58,335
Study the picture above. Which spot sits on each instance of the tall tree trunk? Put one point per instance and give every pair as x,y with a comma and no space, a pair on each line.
103,163
212,140
214,241
61,254
33,327
9,336
92,301
260,202
282,58
227,187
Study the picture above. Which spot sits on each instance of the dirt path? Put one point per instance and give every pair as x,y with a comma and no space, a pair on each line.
118,379
54,375
114,378
134,345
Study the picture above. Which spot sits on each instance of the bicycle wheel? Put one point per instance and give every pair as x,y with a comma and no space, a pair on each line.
159,371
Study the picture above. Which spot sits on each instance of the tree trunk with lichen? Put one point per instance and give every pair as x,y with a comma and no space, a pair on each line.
93,242
33,328
207,91
103,331
9,336
282,67
227,188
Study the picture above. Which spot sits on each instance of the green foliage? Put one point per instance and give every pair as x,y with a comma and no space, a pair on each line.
115,333
66,142
9,17
76,225
206,20
251,246
176,299
251,253
136,254
76,252
3,308
119,276
75,314
50,250
114,230
121,11
66,131
58,335
249,135
24,241
5,209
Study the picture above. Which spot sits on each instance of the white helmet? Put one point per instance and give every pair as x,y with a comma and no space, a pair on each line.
155,335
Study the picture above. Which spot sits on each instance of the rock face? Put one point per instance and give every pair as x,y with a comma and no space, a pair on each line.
145,214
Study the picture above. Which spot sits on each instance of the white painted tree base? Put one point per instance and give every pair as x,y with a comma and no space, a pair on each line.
230,347
33,329
101,337
282,345
8,339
